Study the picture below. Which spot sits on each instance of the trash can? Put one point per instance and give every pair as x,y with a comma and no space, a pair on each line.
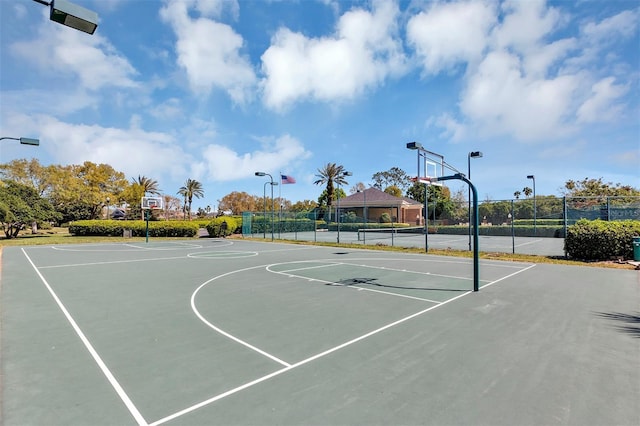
636,249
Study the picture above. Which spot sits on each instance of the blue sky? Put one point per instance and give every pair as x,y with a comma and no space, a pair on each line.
217,90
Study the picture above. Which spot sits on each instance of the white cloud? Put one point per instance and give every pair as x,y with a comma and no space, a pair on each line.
132,151
91,58
603,105
224,164
525,24
525,82
450,33
363,52
499,98
208,51
624,25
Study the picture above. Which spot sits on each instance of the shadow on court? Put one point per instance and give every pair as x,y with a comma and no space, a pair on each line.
632,321
376,283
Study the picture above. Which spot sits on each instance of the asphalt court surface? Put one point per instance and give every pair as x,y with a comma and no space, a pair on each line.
236,332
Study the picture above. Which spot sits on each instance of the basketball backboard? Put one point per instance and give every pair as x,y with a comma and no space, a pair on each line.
151,203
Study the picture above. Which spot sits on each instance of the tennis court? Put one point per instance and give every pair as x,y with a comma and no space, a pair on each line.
235,332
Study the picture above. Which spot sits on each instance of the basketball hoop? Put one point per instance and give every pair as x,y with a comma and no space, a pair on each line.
151,203
427,180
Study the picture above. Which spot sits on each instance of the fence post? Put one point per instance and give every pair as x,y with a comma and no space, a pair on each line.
513,234
564,215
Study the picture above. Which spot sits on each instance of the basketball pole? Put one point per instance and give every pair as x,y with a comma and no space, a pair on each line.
476,261
147,230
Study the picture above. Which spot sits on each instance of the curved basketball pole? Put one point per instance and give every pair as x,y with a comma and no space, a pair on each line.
476,266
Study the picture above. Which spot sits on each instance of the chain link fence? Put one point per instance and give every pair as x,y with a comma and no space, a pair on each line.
526,226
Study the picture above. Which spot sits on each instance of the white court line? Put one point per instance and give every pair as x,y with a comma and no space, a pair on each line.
530,242
351,286
224,333
301,363
74,265
508,276
96,357
326,265
411,272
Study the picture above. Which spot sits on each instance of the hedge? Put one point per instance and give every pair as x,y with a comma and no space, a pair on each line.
216,229
261,224
544,231
601,240
137,228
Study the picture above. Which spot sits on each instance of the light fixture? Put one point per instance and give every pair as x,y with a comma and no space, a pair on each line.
414,145
71,15
24,141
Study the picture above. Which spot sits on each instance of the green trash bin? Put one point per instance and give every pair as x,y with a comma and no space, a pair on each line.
636,249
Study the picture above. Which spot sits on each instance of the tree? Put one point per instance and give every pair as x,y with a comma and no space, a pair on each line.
527,191
596,187
392,177
171,205
238,202
80,191
393,190
323,199
330,174
304,206
440,196
30,173
21,205
517,194
150,186
192,188
358,187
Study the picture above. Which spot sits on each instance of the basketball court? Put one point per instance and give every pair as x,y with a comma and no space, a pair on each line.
215,331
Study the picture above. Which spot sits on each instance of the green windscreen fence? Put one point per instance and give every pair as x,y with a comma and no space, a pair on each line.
246,223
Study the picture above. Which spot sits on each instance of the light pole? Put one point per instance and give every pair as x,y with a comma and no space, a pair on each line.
272,205
71,15
264,210
472,154
344,174
108,201
532,177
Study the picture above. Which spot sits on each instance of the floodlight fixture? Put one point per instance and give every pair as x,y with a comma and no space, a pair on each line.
260,174
414,145
24,141
475,154
71,15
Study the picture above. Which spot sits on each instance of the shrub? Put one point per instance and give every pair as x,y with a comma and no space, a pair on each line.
600,240
138,228
216,229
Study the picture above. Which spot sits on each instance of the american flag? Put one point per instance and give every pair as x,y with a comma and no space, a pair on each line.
287,179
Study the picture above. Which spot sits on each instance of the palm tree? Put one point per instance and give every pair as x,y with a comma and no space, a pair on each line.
527,191
517,194
192,188
150,186
330,174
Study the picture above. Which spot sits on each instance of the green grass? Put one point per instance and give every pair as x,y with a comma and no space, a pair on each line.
62,236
